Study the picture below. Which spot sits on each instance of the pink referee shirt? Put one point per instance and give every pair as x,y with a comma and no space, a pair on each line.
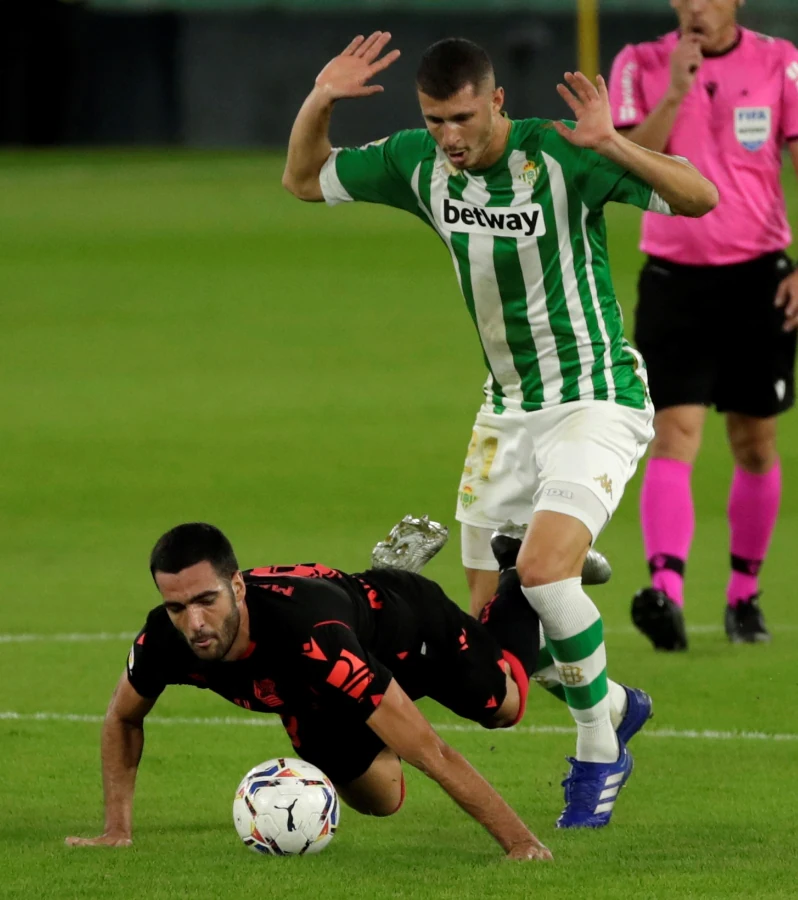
732,126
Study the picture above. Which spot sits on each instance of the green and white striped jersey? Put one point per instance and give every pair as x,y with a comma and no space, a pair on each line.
528,241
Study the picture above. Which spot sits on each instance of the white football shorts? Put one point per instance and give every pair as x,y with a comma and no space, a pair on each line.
576,458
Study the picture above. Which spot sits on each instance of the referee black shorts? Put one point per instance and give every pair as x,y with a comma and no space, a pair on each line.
710,335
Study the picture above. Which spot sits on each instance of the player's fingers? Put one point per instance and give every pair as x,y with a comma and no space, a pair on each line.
601,86
368,91
353,45
383,63
569,98
377,47
586,88
564,131
364,48
782,294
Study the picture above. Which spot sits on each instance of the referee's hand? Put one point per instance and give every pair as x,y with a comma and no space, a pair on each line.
787,299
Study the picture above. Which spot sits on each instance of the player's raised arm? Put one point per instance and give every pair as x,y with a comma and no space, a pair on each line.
404,729
678,183
346,76
122,745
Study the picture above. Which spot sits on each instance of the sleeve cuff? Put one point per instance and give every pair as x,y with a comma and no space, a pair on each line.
334,192
657,205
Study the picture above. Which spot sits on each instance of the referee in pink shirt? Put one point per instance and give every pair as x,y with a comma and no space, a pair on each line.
717,298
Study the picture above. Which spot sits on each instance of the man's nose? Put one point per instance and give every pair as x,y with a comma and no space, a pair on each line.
196,618
451,134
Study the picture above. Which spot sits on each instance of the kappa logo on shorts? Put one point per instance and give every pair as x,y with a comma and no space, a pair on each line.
605,482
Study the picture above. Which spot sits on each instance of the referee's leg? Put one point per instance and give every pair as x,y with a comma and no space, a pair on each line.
674,332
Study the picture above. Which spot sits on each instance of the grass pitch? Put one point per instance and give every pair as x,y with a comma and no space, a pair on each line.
180,340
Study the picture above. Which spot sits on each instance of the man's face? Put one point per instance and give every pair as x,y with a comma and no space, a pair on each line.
463,125
709,20
204,607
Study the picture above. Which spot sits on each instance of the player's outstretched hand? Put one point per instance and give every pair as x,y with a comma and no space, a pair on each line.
531,850
591,108
348,74
787,299
104,840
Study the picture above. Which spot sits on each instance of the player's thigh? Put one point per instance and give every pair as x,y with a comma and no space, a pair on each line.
676,332
499,475
757,374
343,747
466,670
481,568
588,451
380,790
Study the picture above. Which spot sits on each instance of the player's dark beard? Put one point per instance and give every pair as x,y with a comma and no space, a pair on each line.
227,632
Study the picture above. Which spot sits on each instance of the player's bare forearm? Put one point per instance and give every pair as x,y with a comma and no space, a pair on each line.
122,746
679,183
655,131
404,729
309,147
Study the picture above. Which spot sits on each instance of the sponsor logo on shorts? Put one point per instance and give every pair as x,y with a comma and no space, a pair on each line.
752,126
559,492
467,497
500,221
605,483
780,387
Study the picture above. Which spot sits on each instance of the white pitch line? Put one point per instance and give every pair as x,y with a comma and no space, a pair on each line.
99,636
67,638
262,721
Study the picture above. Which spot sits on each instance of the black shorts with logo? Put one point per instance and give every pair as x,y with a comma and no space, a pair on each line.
453,659
710,335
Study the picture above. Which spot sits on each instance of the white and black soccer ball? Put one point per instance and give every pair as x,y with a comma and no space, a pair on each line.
286,807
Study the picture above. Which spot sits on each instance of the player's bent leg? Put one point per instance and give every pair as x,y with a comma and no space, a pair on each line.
668,521
481,568
482,587
380,790
753,508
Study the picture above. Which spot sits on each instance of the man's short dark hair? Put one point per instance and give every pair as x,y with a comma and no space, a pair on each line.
450,65
192,543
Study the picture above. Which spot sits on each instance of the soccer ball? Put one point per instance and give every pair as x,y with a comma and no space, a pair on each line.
286,807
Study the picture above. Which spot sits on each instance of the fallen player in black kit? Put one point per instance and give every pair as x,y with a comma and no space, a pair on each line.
340,658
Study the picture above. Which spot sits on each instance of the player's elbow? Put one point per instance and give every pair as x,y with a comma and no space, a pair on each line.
701,201
308,190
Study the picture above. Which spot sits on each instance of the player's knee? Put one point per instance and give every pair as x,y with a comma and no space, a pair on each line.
755,455
537,567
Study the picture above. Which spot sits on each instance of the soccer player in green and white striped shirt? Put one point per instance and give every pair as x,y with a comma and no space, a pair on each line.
566,416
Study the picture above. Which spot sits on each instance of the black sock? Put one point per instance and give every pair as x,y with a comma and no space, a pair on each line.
513,622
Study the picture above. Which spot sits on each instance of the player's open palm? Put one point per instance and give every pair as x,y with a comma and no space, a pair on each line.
348,74
590,104
104,840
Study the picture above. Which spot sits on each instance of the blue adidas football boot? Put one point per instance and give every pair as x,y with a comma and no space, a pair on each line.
591,790
639,709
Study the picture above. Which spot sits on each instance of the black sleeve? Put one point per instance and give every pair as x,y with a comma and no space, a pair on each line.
326,653
341,672
145,669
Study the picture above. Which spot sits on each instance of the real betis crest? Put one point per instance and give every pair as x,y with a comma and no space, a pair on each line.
530,173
